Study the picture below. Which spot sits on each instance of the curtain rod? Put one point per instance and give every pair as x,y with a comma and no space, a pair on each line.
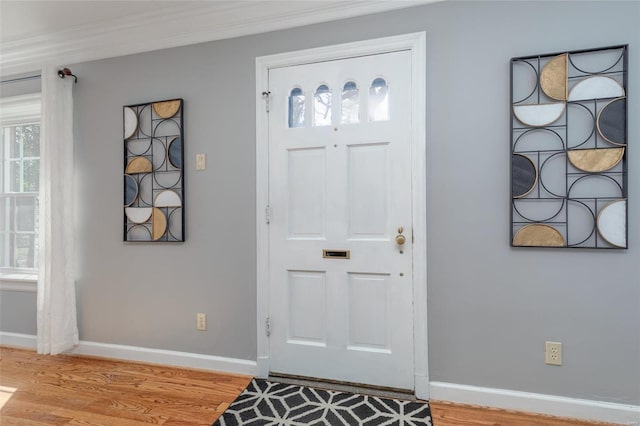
31,77
62,73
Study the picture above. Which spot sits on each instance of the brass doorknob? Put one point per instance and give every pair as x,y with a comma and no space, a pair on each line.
400,239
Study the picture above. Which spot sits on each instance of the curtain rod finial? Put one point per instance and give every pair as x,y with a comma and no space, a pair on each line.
62,73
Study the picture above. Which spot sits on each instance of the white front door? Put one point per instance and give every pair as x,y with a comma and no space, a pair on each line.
340,280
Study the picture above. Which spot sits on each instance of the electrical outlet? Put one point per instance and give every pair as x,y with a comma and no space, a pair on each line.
553,353
201,323
201,162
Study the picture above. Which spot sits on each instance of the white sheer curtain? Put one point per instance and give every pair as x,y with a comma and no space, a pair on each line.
57,323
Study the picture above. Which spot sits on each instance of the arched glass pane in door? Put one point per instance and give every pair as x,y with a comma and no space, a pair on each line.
296,108
350,103
379,100
322,106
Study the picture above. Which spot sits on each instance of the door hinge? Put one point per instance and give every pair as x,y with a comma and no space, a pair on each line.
266,95
267,214
267,326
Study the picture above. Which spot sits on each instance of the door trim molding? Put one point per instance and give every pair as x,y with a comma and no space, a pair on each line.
416,44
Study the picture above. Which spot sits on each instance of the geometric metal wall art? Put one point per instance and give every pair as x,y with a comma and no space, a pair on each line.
569,149
153,171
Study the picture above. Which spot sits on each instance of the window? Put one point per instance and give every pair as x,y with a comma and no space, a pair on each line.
19,184
379,100
350,103
322,106
296,108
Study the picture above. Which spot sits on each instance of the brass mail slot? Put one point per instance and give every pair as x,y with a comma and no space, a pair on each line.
336,254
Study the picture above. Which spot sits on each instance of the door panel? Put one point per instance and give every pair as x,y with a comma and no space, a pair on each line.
368,191
341,182
307,308
307,193
369,312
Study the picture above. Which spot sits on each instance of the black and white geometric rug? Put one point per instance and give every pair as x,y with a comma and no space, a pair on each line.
266,403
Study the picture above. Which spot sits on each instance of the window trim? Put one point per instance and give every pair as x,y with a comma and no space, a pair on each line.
23,109
19,110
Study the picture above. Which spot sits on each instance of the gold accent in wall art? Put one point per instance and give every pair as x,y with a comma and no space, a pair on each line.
595,160
139,165
538,235
553,78
159,224
166,109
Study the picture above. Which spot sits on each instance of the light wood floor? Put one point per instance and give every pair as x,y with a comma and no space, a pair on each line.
70,390
449,414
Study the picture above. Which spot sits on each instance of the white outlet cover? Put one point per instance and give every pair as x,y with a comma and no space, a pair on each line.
553,353
201,321
201,162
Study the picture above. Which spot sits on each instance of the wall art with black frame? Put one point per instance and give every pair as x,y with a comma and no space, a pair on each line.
569,149
153,171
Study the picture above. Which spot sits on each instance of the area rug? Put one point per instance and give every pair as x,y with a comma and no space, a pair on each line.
266,403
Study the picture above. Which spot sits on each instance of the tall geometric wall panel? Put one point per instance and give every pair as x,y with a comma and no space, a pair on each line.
153,171
569,149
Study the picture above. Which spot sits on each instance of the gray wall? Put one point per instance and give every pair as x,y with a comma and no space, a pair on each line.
18,311
490,307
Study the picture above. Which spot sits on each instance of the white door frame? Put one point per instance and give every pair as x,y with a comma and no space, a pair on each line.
416,44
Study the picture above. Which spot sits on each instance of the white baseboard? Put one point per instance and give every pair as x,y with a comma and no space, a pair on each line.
139,354
26,341
166,357
536,403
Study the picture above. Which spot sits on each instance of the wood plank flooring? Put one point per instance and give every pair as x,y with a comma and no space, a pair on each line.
71,390
450,414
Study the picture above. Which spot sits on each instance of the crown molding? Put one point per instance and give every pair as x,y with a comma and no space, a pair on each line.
177,26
